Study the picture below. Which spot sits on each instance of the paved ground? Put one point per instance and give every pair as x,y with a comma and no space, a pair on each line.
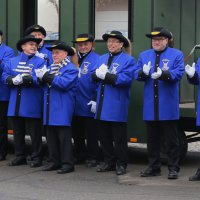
25,183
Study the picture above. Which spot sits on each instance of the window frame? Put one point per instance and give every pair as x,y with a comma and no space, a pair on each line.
130,20
59,21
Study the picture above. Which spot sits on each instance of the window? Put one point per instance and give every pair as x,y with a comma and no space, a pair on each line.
111,15
48,17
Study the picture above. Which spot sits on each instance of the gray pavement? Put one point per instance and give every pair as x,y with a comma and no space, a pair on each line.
25,183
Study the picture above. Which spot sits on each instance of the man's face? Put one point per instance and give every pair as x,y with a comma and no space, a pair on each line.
159,43
39,35
58,55
29,48
84,47
114,45
1,37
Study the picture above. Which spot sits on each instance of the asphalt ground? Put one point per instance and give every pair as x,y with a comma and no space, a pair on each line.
25,183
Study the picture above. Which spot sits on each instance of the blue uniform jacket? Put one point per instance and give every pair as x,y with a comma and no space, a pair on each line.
44,53
59,98
28,100
167,97
195,81
116,96
86,88
5,54
47,54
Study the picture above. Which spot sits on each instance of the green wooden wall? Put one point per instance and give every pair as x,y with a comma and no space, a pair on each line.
14,18
77,16
10,20
3,18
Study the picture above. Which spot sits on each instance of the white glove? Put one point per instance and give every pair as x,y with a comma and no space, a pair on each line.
146,68
17,80
157,74
103,67
40,72
101,71
93,106
44,69
40,55
190,70
79,73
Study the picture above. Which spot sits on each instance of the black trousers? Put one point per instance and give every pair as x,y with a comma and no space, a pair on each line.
113,139
32,126
85,136
60,145
3,128
167,132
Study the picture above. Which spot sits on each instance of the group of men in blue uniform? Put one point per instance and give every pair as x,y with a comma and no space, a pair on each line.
84,96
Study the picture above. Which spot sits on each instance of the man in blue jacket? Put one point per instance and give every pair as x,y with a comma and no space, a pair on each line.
59,102
193,75
84,126
25,103
5,54
161,68
114,75
39,32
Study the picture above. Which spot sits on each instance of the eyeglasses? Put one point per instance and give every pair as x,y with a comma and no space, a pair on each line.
113,42
158,39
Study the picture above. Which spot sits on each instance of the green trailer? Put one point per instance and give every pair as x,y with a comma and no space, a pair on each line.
134,18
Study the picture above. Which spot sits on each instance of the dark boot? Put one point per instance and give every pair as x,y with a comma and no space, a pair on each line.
17,161
173,174
51,167
196,176
105,167
150,172
34,162
120,170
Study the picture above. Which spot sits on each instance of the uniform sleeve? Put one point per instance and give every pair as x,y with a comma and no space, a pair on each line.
67,80
7,74
125,76
195,79
27,81
94,77
8,54
41,64
139,75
